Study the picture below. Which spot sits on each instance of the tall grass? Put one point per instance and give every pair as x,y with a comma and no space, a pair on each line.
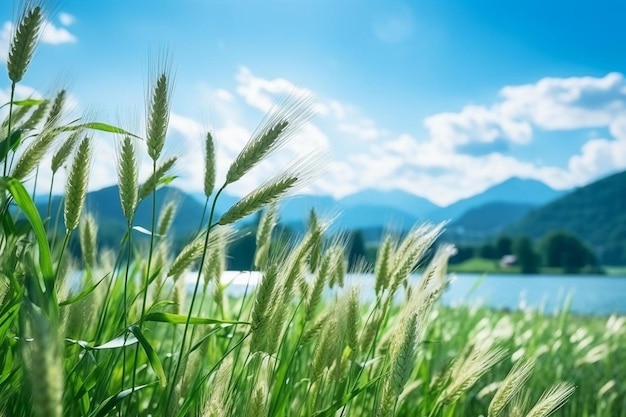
102,334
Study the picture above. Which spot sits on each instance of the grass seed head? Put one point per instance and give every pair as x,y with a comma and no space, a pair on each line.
88,233
552,399
209,165
466,372
264,234
76,187
272,135
263,308
158,115
43,361
37,115
24,42
34,154
384,260
57,109
166,217
156,178
65,150
510,387
257,199
353,318
127,178
190,253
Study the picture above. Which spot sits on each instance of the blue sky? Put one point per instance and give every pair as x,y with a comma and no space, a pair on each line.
443,99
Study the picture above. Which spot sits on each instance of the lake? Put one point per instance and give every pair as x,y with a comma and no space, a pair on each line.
589,294
598,295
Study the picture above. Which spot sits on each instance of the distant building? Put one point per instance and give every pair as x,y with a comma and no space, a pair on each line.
508,260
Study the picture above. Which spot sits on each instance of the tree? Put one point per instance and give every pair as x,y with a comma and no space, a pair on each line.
241,252
564,250
463,253
504,246
488,251
527,258
356,249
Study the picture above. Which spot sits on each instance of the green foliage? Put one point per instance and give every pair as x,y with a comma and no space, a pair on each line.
557,252
357,252
527,258
564,250
488,251
504,246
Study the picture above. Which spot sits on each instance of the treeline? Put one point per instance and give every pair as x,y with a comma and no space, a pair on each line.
557,250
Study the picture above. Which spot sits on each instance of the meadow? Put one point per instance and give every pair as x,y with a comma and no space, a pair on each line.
96,332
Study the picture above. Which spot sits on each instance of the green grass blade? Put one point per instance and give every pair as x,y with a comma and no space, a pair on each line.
332,410
10,143
116,343
26,204
100,126
153,358
29,102
182,319
7,319
111,402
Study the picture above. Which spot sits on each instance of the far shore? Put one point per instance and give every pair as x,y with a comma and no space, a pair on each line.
488,266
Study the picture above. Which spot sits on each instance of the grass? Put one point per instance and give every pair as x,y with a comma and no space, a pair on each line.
479,265
104,333
615,270
483,266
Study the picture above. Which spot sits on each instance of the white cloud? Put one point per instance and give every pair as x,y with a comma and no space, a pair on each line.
550,104
224,95
261,93
364,129
601,156
66,19
55,36
567,103
477,124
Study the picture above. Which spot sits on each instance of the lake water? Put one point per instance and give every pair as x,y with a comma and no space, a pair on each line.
598,295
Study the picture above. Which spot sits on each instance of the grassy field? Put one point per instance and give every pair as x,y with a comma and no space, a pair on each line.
491,266
615,270
92,332
483,266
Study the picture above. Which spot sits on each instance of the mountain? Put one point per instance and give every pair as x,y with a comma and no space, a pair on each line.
297,208
363,210
105,205
368,209
513,190
411,204
487,220
596,213
371,216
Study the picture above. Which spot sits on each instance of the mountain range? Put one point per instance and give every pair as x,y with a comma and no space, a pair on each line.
366,209
596,213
